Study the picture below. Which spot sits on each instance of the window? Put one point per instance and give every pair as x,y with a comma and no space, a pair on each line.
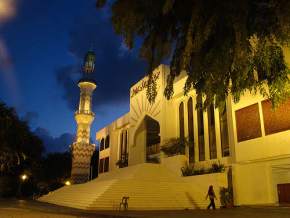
102,144
278,119
181,120
211,131
224,130
190,130
126,142
107,142
124,149
106,165
101,166
200,128
248,123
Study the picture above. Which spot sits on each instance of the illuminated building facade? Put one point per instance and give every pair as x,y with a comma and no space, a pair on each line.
248,137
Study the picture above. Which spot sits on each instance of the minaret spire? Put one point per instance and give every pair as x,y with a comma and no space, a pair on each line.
82,149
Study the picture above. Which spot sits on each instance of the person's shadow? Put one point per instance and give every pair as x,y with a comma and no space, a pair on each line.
192,201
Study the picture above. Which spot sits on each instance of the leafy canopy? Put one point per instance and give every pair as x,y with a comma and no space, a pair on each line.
20,149
224,46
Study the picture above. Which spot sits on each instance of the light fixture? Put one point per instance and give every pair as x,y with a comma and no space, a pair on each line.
24,177
67,182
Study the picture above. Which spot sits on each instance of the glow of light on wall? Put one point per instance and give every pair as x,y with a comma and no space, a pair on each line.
7,10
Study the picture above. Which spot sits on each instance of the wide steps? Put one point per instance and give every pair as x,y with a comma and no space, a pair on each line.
149,186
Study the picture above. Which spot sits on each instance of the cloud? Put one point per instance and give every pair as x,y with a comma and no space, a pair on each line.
54,144
30,117
116,67
7,73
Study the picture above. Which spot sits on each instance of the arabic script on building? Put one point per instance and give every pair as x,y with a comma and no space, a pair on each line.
143,84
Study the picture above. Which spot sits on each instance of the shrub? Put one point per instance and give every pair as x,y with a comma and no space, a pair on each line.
226,197
174,147
187,170
122,163
191,171
152,160
217,168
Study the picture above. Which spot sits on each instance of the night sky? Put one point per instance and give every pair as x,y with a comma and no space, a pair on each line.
42,45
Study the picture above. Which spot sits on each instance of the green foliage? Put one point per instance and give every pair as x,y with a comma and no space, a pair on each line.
190,170
122,163
152,160
174,147
20,152
224,46
217,168
226,197
20,149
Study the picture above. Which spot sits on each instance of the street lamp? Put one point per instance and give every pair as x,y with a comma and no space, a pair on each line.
67,182
23,177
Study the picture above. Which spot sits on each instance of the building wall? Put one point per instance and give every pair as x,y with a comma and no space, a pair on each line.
254,173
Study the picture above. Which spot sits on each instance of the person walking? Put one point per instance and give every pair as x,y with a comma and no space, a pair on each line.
211,196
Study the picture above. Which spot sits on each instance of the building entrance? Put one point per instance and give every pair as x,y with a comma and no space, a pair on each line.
152,140
94,165
284,193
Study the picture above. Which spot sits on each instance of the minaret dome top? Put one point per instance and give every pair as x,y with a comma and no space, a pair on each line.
89,62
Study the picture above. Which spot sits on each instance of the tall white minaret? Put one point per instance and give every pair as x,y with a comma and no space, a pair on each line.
82,149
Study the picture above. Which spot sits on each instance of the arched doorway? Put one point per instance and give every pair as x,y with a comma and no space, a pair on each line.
152,140
94,166
146,144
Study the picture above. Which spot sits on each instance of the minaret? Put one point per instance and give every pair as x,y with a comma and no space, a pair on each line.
82,149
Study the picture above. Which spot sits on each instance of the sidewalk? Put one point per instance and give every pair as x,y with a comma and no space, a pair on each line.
33,209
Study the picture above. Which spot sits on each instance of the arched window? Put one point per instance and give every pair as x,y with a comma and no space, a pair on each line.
126,142
190,130
102,144
181,121
224,130
106,164
211,131
123,149
200,128
107,142
101,165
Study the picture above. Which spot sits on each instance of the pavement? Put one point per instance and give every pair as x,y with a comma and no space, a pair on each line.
32,209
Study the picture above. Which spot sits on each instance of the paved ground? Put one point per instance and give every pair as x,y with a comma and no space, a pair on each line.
32,209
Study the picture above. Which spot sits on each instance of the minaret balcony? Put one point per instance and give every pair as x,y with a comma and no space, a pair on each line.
86,112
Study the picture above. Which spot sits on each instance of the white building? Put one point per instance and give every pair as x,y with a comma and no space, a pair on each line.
248,137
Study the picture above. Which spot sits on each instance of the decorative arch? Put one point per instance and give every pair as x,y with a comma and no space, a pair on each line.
146,141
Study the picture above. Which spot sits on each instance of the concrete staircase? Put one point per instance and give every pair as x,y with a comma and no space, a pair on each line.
149,186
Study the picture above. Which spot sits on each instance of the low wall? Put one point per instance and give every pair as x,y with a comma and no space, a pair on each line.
199,184
174,163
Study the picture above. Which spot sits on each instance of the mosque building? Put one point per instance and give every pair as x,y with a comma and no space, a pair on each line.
250,139
166,154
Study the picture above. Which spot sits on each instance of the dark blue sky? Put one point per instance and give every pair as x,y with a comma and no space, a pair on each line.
42,50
